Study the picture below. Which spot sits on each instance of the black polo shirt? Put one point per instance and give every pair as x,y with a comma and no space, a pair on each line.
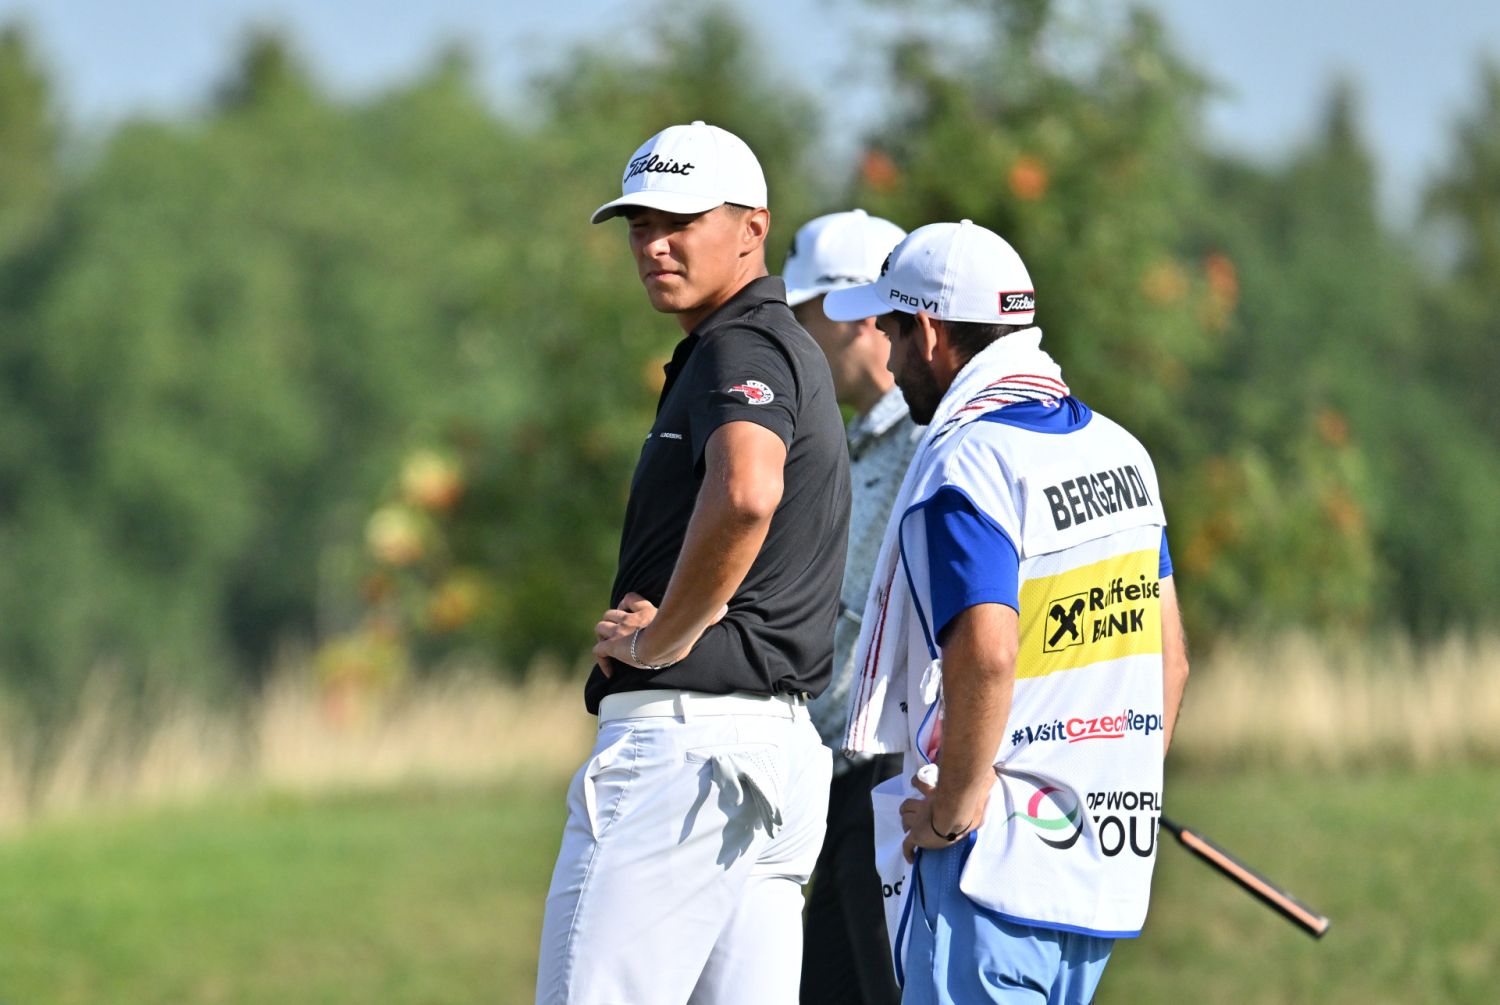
748,361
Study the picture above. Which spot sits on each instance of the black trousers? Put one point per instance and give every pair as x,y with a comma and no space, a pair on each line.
846,957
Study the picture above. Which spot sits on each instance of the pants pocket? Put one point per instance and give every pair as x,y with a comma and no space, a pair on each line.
748,775
606,779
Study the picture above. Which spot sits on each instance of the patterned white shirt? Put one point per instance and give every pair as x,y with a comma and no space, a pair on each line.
881,444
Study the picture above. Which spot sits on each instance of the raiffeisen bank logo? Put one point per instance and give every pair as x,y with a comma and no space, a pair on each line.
1056,812
1105,610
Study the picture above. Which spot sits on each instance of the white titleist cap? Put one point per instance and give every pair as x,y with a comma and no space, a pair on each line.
953,271
689,169
837,250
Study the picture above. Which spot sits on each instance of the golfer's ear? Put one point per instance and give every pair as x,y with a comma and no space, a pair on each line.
756,225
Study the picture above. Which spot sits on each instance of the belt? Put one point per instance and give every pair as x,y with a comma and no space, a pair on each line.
687,704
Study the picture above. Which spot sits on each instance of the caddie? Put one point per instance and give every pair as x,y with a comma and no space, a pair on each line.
847,959
1021,644
698,816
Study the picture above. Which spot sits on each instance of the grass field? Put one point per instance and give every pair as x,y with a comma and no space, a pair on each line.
421,896
434,895
1404,862
396,848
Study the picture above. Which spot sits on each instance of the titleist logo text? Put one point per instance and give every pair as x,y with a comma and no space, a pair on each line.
1017,303
653,163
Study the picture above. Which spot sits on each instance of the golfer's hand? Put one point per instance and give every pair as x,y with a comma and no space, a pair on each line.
614,631
615,628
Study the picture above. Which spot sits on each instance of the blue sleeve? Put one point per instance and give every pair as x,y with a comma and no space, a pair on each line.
970,560
1164,564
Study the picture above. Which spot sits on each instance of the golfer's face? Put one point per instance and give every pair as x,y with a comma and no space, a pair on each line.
685,261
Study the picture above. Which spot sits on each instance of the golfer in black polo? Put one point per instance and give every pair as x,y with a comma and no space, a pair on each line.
698,817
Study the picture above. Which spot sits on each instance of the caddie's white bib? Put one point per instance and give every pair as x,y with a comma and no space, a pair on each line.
1069,838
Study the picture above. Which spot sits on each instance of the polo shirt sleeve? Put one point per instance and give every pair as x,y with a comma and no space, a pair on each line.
742,376
1164,561
970,559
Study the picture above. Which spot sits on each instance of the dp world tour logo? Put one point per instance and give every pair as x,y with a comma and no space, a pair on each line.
1053,811
755,392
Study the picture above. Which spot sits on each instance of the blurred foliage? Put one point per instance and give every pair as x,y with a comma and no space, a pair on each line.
361,373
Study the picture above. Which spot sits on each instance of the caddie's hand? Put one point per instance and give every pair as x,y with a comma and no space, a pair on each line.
916,820
922,831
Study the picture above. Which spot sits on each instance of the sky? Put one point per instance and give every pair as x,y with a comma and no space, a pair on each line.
1274,61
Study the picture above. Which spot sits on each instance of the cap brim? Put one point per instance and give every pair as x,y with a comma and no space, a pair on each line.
803,294
795,297
669,202
855,303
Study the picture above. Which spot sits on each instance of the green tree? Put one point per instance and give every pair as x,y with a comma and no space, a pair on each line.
1090,172
1326,298
241,321
29,175
1453,473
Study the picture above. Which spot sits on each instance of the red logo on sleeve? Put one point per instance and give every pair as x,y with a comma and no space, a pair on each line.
755,392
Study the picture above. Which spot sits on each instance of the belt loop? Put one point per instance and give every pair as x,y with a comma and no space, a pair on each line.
679,704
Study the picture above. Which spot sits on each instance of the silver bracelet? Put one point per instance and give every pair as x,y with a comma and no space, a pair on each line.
634,638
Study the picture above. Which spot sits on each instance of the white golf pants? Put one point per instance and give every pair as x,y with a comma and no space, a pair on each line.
691,830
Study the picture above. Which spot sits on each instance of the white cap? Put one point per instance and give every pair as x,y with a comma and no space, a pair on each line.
689,169
953,271
837,250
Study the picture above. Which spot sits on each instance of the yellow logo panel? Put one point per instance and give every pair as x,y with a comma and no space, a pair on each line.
1103,611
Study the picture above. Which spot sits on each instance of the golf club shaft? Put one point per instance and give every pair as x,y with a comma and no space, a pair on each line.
1269,893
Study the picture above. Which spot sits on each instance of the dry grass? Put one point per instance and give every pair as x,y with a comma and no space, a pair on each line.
462,729
1300,701
1292,701
466,728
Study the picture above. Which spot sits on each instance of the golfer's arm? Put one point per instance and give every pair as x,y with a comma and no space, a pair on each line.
1174,659
979,675
742,485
